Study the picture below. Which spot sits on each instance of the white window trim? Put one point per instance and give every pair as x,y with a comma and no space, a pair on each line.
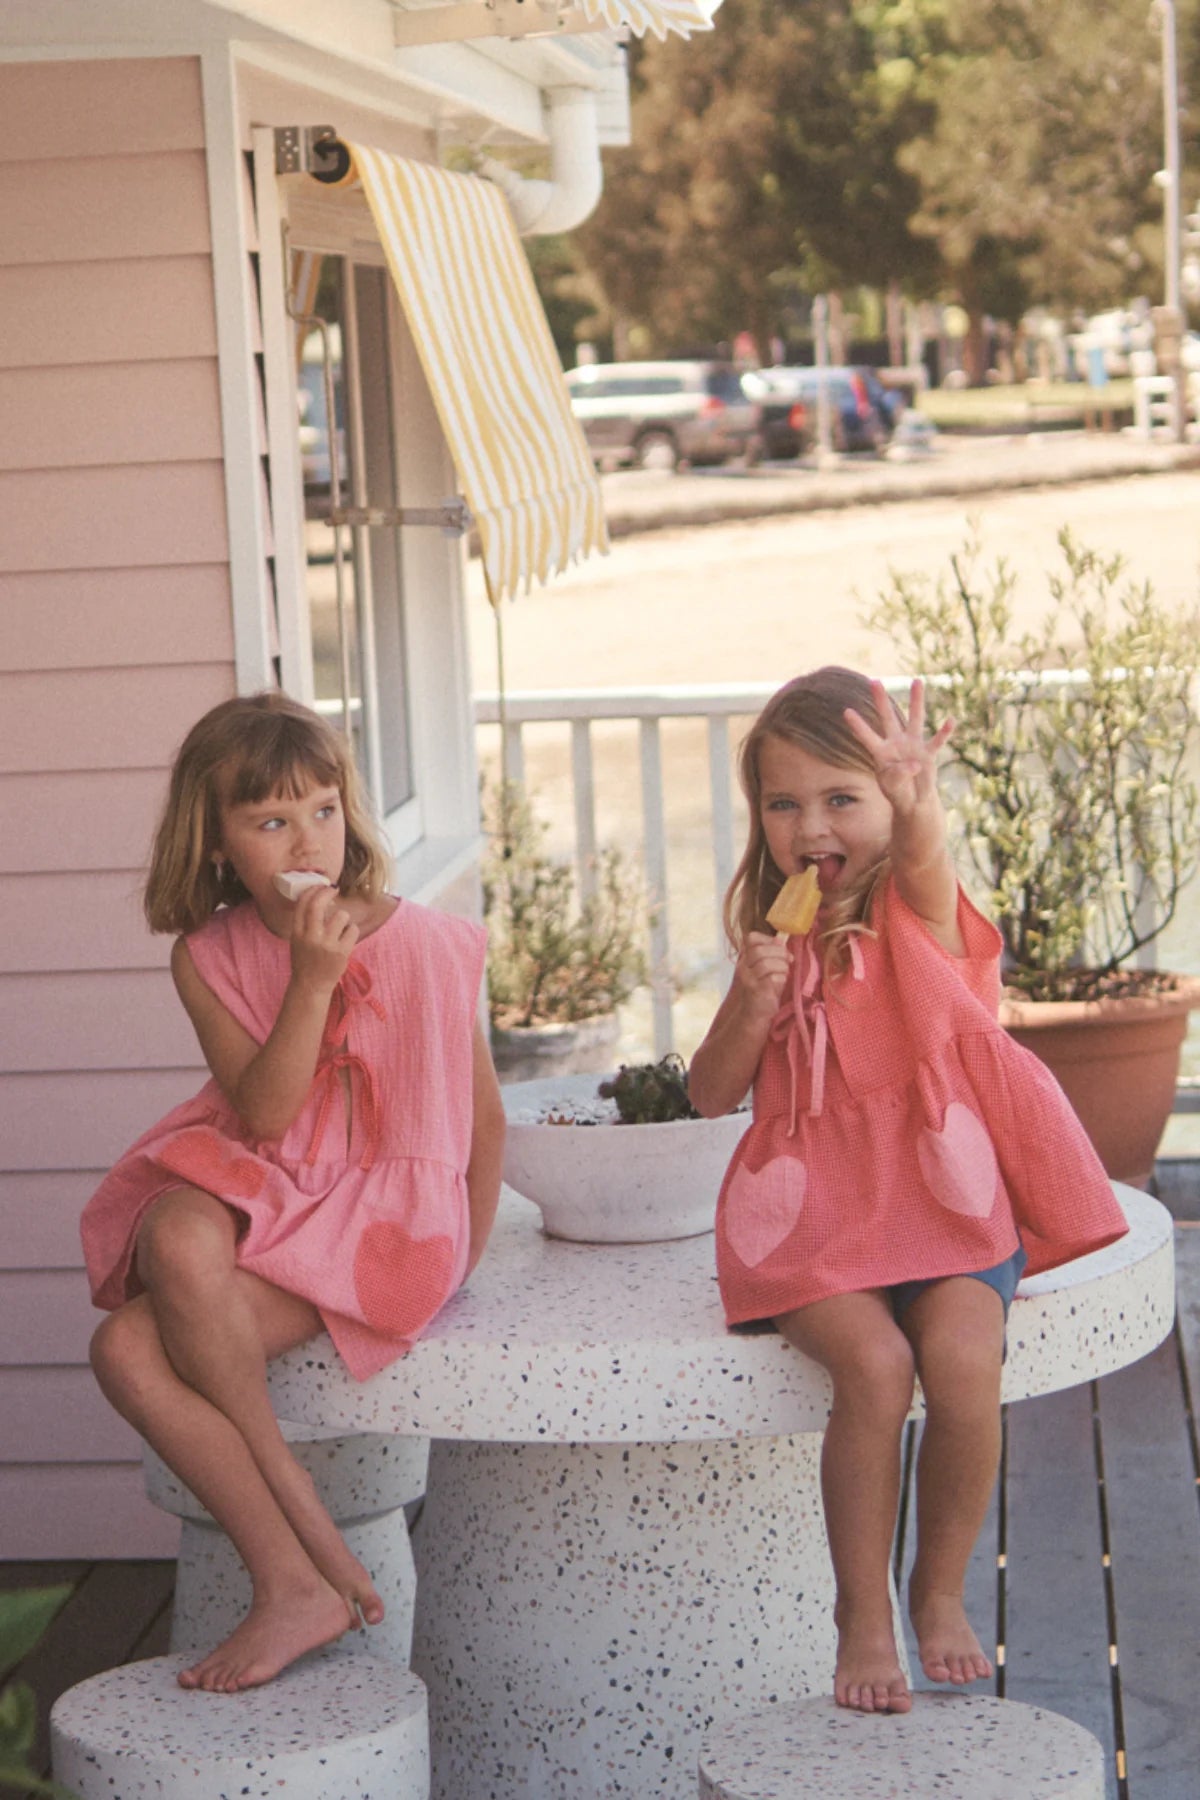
440,719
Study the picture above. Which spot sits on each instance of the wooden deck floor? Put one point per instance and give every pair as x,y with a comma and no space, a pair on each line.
1086,1578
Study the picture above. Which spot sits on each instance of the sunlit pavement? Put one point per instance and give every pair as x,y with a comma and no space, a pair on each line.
647,500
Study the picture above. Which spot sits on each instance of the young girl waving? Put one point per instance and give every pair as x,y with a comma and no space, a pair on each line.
340,1169
906,1159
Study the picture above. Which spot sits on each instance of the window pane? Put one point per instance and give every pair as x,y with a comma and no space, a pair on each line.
358,641
337,662
387,583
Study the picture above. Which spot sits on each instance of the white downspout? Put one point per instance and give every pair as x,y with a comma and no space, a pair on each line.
576,178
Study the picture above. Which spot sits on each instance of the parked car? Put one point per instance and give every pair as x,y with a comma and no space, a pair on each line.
863,413
657,415
785,424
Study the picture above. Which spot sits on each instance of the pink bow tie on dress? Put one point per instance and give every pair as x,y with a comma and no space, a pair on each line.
791,1024
354,989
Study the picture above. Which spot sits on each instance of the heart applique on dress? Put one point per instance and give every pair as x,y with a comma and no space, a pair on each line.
959,1163
401,1281
205,1159
761,1209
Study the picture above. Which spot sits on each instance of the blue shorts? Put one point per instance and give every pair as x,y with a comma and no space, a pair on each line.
1004,1278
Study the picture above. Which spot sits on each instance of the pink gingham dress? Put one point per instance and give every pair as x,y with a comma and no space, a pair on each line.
899,1133
365,1217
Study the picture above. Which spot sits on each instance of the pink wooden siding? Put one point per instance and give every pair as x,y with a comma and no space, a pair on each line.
108,930
55,618
115,634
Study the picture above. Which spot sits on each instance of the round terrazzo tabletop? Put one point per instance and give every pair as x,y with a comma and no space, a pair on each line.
554,1342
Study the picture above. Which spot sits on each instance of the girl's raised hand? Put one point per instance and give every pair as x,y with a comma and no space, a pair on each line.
761,973
905,759
323,936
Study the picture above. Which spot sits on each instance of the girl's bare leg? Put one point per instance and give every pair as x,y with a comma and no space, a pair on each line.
956,1328
219,1325
298,1603
294,1608
856,1338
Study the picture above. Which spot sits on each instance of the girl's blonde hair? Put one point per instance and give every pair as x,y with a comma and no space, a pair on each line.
241,752
810,713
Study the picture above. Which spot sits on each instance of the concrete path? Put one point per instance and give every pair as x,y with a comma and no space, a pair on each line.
649,500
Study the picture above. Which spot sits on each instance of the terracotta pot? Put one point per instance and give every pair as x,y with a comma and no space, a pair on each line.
529,1052
1117,1061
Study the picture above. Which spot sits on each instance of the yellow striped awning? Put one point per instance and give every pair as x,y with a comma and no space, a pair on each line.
492,368
658,16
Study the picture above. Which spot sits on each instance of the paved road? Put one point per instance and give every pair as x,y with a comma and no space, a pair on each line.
757,600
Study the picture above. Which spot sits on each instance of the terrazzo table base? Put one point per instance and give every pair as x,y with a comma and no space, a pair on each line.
332,1727
584,1612
948,1747
603,1441
364,1483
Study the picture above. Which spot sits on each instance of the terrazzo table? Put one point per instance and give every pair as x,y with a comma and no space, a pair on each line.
622,1538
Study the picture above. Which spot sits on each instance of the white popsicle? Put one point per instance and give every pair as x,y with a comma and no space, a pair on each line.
292,882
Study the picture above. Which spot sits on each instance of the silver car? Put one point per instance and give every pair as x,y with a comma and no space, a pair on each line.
659,415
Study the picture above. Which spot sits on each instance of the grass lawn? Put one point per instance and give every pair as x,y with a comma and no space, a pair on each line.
1026,403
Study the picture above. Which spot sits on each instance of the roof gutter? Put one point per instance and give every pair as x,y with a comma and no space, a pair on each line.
542,208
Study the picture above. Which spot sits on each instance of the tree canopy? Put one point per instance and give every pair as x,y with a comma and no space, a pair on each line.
998,155
763,150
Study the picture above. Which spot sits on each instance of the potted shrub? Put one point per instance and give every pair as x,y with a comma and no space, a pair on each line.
1075,805
558,967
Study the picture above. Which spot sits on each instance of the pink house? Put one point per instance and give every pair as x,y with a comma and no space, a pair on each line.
165,467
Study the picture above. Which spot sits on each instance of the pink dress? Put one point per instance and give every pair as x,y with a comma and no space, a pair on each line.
899,1133
366,1215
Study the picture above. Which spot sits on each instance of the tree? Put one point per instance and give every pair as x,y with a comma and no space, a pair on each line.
1037,176
763,148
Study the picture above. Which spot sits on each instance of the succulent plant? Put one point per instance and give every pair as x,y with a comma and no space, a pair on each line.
651,1093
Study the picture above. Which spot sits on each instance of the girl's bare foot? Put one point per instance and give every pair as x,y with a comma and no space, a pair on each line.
328,1550
948,1647
275,1631
868,1677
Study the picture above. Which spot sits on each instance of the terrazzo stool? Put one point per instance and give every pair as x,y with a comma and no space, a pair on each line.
364,1482
332,1727
948,1747
622,1538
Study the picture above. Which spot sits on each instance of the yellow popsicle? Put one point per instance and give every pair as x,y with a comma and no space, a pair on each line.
796,904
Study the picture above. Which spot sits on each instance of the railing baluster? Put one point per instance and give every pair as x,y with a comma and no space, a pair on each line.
654,824
583,782
513,753
722,831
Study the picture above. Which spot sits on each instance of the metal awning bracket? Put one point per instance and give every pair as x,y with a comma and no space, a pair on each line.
310,150
453,516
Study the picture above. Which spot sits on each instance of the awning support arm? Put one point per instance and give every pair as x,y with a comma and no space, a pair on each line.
452,516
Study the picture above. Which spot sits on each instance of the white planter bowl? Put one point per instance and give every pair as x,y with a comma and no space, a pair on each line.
615,1184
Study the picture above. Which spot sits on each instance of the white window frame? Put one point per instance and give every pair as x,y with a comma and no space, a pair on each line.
295,213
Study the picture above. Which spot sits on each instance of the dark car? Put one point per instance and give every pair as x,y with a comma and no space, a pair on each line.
657,415
785,424
863,412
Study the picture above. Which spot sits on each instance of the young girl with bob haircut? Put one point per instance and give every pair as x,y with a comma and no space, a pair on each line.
906,1160
341,1169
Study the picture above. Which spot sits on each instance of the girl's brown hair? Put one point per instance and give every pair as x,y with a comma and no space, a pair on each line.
810,713
241,752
